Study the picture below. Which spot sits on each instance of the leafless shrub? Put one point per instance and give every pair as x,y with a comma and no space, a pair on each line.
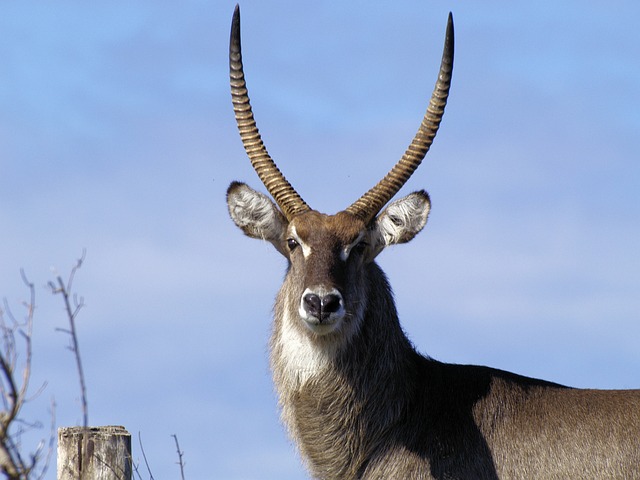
15,374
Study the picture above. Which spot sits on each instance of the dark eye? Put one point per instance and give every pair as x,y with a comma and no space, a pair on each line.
360,247
292,244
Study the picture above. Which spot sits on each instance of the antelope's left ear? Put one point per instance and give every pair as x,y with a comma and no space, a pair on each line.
401,220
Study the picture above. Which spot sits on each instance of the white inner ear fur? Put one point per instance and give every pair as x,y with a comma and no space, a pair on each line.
401,220
256,214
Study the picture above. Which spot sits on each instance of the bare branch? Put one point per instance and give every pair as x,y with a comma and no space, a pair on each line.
180,455
14,389
144,457
73,304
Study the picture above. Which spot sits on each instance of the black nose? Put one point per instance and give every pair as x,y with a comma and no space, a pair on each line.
321,308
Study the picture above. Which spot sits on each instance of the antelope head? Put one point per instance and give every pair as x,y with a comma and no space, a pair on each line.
329,254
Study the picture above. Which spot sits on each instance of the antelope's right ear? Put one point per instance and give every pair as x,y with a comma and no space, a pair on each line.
255,214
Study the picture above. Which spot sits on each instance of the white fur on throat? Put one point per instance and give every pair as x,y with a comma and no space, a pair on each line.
302,358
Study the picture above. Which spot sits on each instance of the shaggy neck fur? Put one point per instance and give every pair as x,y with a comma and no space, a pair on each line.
340,398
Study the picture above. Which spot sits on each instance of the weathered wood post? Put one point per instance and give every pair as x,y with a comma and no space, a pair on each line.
94,453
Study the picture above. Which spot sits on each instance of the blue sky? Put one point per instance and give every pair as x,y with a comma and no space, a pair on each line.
117,135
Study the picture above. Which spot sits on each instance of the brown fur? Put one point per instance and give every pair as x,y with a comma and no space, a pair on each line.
370,407
358,400
383,411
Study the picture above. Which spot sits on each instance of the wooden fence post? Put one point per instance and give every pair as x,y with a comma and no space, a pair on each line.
94,453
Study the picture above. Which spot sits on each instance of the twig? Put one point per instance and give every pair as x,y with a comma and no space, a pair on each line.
52,439
180,455
144,457
135,469
66,291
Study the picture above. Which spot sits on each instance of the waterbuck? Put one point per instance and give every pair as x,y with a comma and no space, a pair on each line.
357,398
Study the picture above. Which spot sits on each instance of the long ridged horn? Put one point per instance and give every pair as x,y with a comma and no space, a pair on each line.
277,185
368,206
